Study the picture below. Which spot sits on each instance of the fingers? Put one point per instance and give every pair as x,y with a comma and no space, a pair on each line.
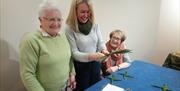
95,56
72,85
72,82
105,52
117,55
125,65
112,69
109,70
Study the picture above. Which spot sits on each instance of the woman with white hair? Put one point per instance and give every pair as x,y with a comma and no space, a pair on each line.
45,57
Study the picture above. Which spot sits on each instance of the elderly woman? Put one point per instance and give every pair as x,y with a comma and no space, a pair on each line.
45,54
117,61
86,43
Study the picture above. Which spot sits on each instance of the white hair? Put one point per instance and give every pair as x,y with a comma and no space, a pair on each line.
48,5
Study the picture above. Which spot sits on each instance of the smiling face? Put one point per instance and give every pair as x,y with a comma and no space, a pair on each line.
115,40
51,22
83,12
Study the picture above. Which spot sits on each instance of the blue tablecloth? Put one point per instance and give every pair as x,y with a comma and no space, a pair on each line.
145,75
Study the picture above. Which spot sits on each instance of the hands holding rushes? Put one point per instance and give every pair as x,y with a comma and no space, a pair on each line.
95,56
103,58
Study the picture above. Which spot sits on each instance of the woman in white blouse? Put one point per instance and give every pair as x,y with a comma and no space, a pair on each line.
86,43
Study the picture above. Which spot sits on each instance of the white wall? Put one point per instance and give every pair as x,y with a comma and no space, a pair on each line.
150,25
168,34
139,18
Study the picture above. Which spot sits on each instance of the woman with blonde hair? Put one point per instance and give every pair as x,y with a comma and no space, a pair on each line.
86,43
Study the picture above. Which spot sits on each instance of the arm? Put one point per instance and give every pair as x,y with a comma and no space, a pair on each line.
123,65
101,44
126,57
126,60
71,66
120,66
78,55
71,80
28,63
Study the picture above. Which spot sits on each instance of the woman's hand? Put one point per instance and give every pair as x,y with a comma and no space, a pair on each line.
112,69
72,82
124,65
105,52
95,56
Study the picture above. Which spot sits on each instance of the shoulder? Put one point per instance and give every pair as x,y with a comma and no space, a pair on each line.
68,30
95,27
31,37
62,35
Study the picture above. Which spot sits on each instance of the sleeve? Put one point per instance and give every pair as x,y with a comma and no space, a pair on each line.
28,64
71,65
80,56
126,57
101,44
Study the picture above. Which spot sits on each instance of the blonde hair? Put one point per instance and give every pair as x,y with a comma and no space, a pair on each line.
121,34
72,17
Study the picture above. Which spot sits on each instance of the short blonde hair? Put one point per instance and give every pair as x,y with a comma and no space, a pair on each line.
72,17
121,33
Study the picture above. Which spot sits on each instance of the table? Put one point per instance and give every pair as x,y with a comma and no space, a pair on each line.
145,75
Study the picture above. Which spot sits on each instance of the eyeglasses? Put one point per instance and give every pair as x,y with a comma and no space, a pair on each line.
115,38
53,19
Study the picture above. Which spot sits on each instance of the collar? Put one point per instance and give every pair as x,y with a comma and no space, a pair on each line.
45,34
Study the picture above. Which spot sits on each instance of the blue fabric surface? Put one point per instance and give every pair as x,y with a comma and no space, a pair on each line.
145,75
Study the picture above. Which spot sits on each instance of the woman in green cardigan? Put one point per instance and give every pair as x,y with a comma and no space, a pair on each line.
45,55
